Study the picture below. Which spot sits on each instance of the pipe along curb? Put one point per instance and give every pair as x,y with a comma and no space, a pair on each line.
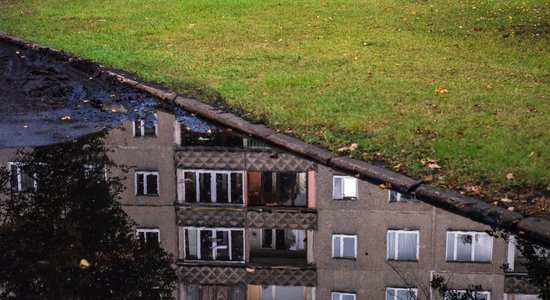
534,229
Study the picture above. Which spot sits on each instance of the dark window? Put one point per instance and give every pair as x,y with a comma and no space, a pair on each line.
277,189
213,186
147,183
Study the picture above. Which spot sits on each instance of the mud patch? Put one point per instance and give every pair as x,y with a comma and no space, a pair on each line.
45,99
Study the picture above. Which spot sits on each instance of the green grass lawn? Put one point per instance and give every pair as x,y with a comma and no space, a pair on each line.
341,72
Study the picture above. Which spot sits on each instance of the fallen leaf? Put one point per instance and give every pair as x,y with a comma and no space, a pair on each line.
84,264
531,154
397,167
476,189
506,200
385,186
66,118
351,147
434,166
441,90
265,93
509,176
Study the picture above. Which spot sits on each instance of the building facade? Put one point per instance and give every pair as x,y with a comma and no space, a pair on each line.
245,220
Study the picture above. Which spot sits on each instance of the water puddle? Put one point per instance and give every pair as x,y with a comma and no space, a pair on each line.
241,218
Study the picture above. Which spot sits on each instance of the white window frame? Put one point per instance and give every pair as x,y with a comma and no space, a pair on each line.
341,295
19,187
89,168
350,181
395,290
400,197
472,252
396,243
487,293
145,173
147,230
341,237
213,189
214,243
141,128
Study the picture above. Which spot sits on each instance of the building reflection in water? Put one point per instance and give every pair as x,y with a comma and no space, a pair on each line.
249,221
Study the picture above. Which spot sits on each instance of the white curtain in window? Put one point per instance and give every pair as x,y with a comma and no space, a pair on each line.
192,242
337,188
349,247
407,246
336,246
483,247
350,187
464,247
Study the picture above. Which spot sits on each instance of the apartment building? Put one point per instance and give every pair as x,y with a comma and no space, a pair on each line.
245,220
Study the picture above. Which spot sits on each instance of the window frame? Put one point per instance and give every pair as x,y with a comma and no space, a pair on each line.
214,247
396,243
145,173
343,196
147,230
400,197
472,247
342,294
341,237
487,293
19,173
395,289
213,186
141,128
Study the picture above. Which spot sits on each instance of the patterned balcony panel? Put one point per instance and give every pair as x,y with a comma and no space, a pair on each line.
212,275
277,162
518,284
211,216
211,160
272,161
282,219
281,276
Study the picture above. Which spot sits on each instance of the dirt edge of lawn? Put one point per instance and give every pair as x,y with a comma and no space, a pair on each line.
535,229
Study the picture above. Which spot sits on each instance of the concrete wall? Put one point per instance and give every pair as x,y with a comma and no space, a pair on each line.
148,154
369,217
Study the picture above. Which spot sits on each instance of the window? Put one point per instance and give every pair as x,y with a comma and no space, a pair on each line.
344,246
476,295
221,244
148,236
200,292
398,197
283,239
469,246
342,296
95,171
402,244
19,180
275,292
213,186
277,189
401,294
145,128
344,188
208,135
147,183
